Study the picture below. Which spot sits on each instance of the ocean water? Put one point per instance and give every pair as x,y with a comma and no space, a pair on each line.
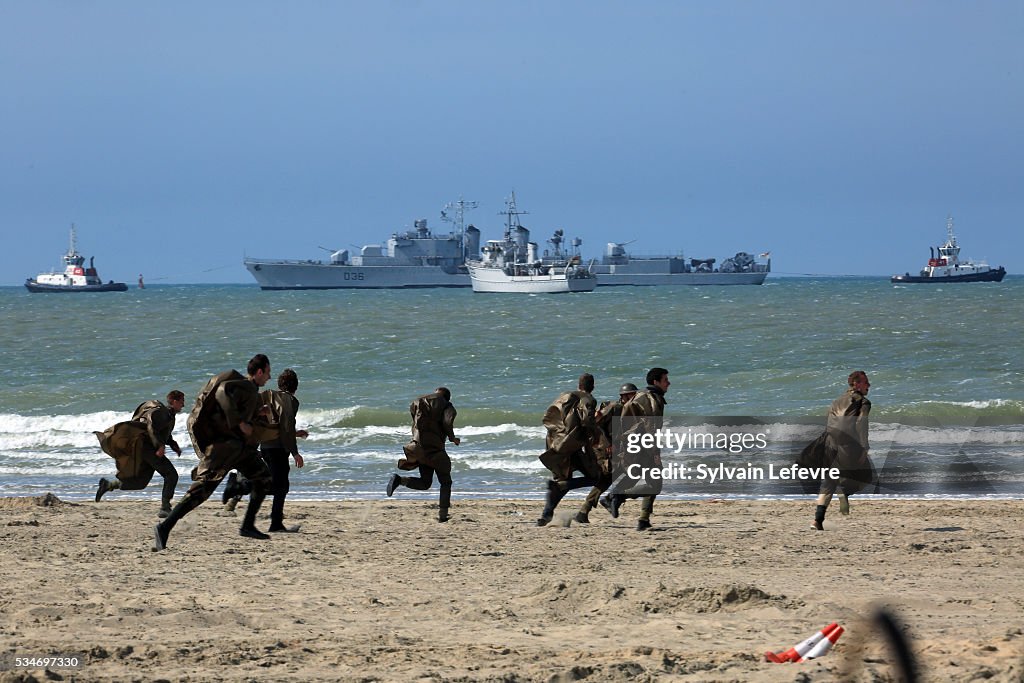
945,365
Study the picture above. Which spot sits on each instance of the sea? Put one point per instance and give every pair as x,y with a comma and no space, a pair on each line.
945,364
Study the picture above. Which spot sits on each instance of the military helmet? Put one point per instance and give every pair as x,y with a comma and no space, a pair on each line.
627,388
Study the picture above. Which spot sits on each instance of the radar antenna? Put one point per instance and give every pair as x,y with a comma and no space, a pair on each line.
459,208
512,215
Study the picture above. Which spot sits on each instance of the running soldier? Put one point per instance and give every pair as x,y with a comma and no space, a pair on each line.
433,423
605,418
644,414
843,445
226,425
138,448
283,406
570,444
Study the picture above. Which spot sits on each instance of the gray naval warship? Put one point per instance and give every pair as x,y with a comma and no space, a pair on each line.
422,258
410,259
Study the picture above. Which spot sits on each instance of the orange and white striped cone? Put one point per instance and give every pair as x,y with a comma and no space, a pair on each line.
825,645
796,653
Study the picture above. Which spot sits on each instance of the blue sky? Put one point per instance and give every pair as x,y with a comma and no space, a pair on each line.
181,136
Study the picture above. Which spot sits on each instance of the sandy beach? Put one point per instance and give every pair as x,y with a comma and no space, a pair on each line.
379,591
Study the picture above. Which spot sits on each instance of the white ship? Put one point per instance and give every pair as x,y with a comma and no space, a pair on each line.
946,266
410,259
618,268
513,265
75,277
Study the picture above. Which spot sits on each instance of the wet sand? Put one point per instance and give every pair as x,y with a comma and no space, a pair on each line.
379,591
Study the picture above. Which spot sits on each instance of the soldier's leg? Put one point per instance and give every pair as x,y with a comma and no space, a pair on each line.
139,480
170,474
255,470
556,490
825,492
646,508
421,483
277,461
199,491
165,467
590,502
214,464
824,498
444,478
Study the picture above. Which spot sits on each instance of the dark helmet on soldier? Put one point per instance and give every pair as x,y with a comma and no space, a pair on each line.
627,388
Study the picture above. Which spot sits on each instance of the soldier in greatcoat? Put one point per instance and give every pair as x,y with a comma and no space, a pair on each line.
284,407
572,431
643,415
605,417
138,448
843,445
227,424
433,425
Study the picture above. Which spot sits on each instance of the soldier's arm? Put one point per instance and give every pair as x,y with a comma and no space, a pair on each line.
287,426
449,425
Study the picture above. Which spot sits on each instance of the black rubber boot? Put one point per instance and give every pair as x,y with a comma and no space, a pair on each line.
819,517
248,528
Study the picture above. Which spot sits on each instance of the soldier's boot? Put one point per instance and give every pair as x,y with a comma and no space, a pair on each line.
551,499
106,485
393,483
229,507
582,517
248,528
444,503
844,504
646,508
165,509
819,517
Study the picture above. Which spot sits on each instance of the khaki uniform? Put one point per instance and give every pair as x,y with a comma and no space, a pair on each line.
433,425
275,452
283,407
643,415
572,431
133,446
226,401
608,411
844,445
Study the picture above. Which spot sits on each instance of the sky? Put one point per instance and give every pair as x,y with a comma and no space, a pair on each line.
180,137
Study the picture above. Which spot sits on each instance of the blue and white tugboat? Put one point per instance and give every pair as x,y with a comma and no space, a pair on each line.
945,265
75,277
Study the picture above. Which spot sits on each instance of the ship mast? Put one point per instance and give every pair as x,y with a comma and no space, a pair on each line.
950,250
460,207
73,258
509,212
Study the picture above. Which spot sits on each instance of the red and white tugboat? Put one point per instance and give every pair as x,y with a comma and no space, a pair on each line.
75,278
946,266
